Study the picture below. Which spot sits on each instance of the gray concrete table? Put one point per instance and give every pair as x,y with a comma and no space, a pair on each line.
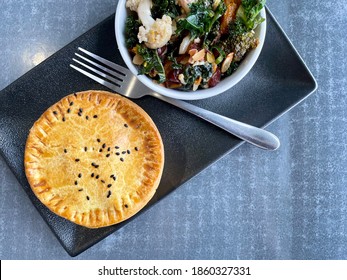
288,204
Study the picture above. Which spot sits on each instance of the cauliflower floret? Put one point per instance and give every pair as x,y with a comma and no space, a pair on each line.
132,4
158,34
155,33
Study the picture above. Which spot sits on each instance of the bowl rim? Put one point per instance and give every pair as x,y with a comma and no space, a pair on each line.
224,85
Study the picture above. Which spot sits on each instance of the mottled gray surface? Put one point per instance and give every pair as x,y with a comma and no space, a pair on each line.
252,204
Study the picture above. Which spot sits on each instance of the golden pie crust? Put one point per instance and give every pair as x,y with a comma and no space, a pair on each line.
94,158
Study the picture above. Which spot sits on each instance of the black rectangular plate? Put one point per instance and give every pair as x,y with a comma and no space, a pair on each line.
278,82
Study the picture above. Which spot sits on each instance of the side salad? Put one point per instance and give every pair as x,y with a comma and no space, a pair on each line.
191,44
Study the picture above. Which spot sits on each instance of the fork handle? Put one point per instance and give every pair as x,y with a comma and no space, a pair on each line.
253,135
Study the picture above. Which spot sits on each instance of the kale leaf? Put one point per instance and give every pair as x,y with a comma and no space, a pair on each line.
132,26
200,19
193,72
152,64
175,65
165,7
233,67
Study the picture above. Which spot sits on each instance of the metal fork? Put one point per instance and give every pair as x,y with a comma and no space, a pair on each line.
122,81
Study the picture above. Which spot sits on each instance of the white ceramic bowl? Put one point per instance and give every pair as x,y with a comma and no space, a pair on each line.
222,86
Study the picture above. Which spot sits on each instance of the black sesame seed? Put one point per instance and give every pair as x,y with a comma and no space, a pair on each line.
98,140
108,149
76,183
121,159
136,149
104,146
65,151
102,181
125,125
68,110
80,110
80,190
126,205
71,103
95,116
92,175
63,119
128,151
85,149
87,118
124,152
100,150
117,154
55,112
80,114
109,194
107,155
109,185
97,177
116,147
87,197
95,165
77,159
75,94
79,175
112,176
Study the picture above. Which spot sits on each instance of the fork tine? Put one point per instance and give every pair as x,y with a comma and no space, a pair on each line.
121,80
107,70
102,74
95,78
114,66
